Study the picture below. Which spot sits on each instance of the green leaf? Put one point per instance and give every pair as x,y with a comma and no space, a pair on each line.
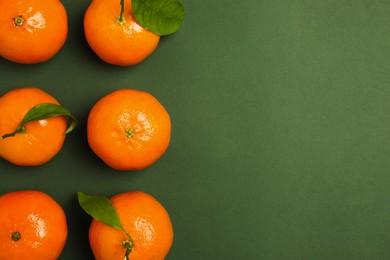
100,208
45,111
161,17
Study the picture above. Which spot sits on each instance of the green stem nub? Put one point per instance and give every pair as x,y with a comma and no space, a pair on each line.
128,245
121,19
129,133
16,236
19,21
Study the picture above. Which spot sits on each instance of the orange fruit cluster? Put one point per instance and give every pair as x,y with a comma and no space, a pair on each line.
34,225
127,129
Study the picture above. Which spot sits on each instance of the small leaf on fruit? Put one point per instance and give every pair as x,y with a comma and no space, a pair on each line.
45,111
100,208
161,17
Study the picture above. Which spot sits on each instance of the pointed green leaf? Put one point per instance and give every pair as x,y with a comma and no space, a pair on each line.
46,110
161,17
100,208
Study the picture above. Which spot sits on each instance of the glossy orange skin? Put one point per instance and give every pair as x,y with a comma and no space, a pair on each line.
122,110
40,37
39,219
42,139
118,44
147,222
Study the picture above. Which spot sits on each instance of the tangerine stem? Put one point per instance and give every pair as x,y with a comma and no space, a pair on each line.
128,244
129,133
15,236
121,19
20,129
19,21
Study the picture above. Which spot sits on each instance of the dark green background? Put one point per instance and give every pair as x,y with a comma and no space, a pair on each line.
280,140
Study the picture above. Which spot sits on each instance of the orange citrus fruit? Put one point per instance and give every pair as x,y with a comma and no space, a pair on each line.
32,31
33,225
40,140
147,222
128,129
116,37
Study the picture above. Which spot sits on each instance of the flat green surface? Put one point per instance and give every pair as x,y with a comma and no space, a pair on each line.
281,129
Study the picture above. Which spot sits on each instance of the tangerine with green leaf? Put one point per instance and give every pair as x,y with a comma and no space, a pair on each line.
33,126
115,36
32,31
131,225
33,226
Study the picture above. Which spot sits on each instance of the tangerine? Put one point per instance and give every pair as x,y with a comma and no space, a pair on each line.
117,40
147,222
40,140
32,31
33,225
128,129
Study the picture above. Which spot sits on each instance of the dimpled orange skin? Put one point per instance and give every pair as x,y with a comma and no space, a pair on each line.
147,222
42,140
40,221
118,44
40,37
119,112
